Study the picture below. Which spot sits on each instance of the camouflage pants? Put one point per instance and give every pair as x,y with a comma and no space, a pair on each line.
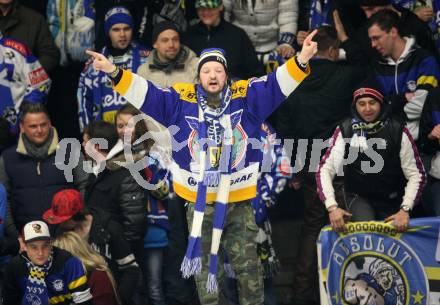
238,240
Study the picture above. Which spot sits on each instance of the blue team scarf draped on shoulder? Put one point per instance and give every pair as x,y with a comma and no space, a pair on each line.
215,134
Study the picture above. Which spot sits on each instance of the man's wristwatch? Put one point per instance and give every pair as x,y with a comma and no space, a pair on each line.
114,73
302,65
405,208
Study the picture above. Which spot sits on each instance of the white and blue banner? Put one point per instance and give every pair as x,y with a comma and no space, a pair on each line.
372,264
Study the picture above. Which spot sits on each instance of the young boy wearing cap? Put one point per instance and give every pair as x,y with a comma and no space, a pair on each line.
386,193
44,274
96,100
216,118
102,233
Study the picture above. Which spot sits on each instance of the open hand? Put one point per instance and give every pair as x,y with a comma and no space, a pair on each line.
337,219
400,220
301,36
339,27
309,48
101,63
435,133
425,13
285,50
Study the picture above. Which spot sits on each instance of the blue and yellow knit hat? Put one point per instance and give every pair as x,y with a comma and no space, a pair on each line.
117,14
212,54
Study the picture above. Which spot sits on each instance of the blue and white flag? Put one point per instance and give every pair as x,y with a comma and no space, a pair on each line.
373,264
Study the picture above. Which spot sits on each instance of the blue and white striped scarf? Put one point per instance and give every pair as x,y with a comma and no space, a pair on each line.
215,132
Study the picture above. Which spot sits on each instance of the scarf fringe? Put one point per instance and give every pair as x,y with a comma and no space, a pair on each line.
192,262
211,283
218,120
191,266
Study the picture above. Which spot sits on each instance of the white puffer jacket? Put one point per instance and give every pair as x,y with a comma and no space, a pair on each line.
267,23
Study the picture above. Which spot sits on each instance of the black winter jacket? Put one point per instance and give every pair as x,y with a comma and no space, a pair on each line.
116,191
319,103
240,53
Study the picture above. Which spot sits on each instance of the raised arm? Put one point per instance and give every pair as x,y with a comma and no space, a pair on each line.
161,104
266,93
292,73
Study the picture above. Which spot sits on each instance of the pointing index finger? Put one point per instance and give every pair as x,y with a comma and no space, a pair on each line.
310,36
92,53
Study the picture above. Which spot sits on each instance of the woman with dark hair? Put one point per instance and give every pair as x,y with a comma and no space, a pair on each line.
156,239
123,116
113,188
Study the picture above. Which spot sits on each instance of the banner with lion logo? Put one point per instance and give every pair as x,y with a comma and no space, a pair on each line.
372,264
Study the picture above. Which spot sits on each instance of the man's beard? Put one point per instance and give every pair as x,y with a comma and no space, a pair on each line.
214,99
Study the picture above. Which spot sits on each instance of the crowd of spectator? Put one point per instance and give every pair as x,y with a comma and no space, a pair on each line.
167,201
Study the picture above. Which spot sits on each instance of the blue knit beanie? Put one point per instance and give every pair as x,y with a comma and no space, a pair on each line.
117,14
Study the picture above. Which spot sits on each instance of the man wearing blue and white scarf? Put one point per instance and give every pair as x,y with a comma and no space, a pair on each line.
216,168
96,99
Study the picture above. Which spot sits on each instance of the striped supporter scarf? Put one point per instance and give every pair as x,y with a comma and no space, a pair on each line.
215,136
36,289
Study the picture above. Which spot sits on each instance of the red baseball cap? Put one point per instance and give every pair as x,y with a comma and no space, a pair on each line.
65,204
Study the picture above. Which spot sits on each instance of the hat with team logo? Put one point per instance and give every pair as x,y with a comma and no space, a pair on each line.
35,230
